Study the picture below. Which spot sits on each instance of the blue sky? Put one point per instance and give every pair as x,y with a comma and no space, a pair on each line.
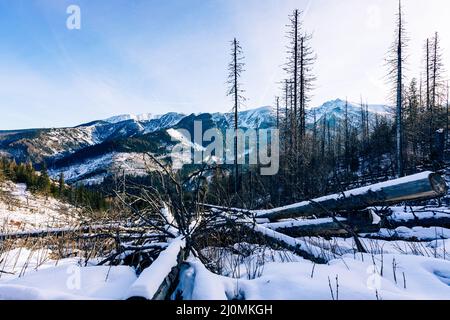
157,56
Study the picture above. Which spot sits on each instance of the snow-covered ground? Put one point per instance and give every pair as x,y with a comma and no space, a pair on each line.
415,265
349,277
22,211
32,275
263,274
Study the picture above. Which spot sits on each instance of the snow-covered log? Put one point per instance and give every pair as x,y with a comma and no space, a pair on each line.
296,246
414,234
57,232
273,237
421,186
320,227
438,221
155,282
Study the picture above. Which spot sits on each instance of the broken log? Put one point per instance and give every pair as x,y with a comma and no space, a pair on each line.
428,222
57,232
304,228
323,227
421,186
159,280
274,238
296,246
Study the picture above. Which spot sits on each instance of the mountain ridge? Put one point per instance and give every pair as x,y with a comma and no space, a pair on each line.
125,135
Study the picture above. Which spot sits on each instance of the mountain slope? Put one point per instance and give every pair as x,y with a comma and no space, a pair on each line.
91,151
21,210
38,145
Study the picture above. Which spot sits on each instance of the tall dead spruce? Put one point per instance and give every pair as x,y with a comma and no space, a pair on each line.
235,69
396,65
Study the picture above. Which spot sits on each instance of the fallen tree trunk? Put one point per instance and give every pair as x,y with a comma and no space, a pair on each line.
274,238
56,232
443,222
422,186
323,227
298,247
159,279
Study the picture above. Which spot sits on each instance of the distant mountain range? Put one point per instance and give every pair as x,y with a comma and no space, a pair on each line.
334,111
89,152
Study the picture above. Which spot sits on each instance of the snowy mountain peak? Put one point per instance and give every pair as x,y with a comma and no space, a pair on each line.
258,118
334,110
338,105
125,117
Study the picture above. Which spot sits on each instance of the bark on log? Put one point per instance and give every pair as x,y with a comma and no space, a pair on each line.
55,232
324,227
443,222
422,186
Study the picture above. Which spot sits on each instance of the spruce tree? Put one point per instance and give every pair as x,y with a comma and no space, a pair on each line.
61,184
44,183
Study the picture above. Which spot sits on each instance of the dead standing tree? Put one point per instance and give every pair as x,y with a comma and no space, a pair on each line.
300,61
395,63
235,69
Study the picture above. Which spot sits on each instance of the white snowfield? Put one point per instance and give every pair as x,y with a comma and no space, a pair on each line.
22,211
350,278
34,276
264,275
